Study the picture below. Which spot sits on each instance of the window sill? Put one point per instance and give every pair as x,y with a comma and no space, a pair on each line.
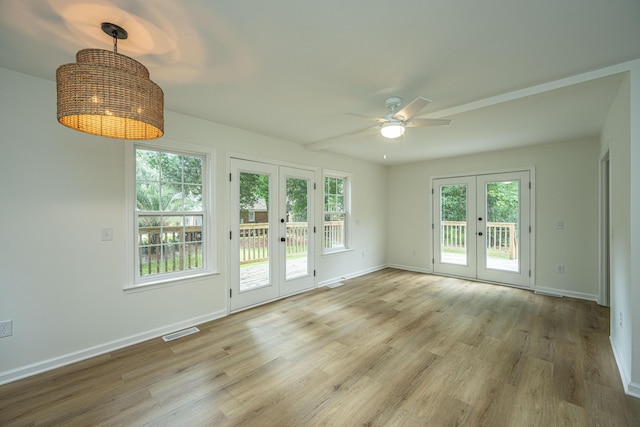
337,251
167,282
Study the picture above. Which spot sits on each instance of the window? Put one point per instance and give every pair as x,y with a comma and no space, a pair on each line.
336,212
170,223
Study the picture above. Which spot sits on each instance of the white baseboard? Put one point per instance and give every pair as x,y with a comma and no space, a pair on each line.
537,289
631,388
410,268
564,293
67,359
351,275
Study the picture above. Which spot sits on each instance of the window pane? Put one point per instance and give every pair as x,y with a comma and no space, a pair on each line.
254,237
148,196
169,183
334,230
192,197
453,224
193,255
170,167
334,235
149,230
192,170
147,165
193,230
150,259
297,228
172,258
172,229
502,225
171,197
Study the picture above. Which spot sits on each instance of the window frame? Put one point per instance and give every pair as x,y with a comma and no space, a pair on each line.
347,177
133,280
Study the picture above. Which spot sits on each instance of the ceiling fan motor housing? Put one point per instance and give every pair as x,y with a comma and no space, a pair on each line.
393,102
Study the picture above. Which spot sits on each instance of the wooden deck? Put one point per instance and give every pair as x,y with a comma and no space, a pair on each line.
254,276
492,263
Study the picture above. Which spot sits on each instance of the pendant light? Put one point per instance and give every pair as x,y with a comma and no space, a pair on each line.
108,94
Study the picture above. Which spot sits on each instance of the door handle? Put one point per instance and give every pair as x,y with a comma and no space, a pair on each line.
480,233
283,239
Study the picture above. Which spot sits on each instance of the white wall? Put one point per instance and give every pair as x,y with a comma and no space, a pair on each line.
63,287
566,181
633,321
621,136
615,138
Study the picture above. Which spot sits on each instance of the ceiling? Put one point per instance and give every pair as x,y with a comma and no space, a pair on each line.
509,73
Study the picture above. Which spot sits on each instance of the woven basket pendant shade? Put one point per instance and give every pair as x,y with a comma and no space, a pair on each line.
108,94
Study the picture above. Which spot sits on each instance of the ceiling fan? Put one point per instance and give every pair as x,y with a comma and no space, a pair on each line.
393,124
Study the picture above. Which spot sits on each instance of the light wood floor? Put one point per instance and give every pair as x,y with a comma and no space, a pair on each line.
391,348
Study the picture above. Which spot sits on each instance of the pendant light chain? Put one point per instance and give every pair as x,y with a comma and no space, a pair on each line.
115,41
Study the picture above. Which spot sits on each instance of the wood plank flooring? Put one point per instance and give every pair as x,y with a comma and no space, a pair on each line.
392,348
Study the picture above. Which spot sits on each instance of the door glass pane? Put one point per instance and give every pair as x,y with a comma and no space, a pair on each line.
297,228
254,234
453,224
502,228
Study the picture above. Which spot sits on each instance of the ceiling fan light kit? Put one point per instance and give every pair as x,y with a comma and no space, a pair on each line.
392,129
108,94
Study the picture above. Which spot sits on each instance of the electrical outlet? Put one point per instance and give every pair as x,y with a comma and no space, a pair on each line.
6,328
560,269
621,319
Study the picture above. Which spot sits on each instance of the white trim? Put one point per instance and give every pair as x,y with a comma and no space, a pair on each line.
604,221
564,293
209,220
333,251
267,160
258,304
631,388
168,282
411,268
348,178
288,168
77,356
352,275
532,223
538,289
535,90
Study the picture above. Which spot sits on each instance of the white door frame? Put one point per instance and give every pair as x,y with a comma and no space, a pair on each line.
531,204
279,286
604,235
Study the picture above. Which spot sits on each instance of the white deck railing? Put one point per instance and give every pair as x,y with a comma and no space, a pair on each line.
500,237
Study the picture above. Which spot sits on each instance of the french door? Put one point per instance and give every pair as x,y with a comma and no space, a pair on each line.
271,232
482,227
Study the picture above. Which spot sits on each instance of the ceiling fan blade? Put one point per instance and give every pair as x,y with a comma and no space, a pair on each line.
419,123
333,140
411,109
366,117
